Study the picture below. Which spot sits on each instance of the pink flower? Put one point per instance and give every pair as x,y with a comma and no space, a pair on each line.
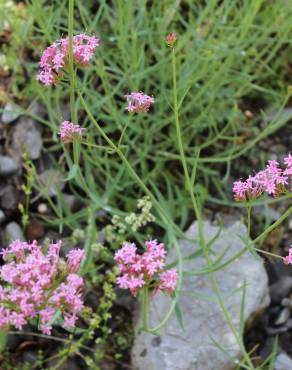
55,57
70,132
168,280
74,258
288,259
138,270
271,180
36,284
138,102
288,169
171,39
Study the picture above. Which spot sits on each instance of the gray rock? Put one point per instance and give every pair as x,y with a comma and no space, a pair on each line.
283,362
281,289
8,166
283,316
13,232
9,198
2,216
10,113
70,200
193,348
268,212
27,133
53,182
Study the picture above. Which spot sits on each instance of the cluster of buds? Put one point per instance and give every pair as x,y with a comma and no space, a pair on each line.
138,102
272,180
147,269
171,39
69,132
39,285
55,58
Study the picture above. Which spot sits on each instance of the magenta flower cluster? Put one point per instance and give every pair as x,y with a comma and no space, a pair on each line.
288,259
272,180
39,285
70,132
138,102
138,270
55,57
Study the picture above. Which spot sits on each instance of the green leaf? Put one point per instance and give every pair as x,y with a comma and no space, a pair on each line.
3,340
72,173
179,317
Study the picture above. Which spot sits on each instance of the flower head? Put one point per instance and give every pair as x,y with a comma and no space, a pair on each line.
70,132
138,102
171,39
272,180
138,270
35,284
55,58
288,259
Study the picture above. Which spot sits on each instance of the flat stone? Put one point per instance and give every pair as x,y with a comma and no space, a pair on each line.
281,289
10,113
9,198
8,166
203,319
283,316
27,133
2,216
283,362
13,232
53,182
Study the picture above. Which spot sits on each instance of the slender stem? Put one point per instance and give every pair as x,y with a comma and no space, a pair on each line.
267,253
133,173
71,61
164,215
145,308
198,214
248,220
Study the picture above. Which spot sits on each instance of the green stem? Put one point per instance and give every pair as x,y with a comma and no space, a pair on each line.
165,217
71,61
198,215
133,173
145,308
248,220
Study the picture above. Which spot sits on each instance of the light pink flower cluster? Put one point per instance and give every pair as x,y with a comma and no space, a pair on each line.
271,180
38,284
288,259
138,102
70,132
171,39
138,270
55,57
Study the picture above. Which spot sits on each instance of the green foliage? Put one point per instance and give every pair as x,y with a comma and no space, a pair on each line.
231,65
228,55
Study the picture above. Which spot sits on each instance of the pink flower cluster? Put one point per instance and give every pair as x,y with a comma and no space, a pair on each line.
138,270
288,259
70,132
171,39
39,285
55,57
271,180
138,102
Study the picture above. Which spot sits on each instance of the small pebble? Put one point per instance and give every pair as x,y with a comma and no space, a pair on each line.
283,362
283,316
42,208
2,216
13,232
281,289
285,302
8,166
10,113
